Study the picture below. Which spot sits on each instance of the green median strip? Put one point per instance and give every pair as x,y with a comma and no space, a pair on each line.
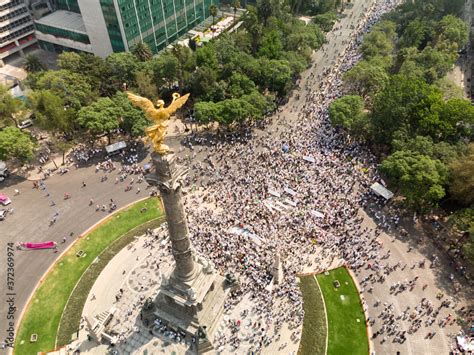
44,313
313,339
347,328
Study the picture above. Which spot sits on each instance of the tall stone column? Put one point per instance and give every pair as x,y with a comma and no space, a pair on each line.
169,175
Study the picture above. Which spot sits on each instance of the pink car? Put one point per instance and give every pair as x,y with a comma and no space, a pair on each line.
4,200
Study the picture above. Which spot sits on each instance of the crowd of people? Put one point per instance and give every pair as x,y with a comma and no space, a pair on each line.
297,188
316,226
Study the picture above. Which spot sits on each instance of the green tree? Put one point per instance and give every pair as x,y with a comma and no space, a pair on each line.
452,30
32,64
226,51
63,146
326,21
145,84
304,38
122,67
100,117
420,178
271,46
348,112
262,104
266,8
213,12
379,41
71,61
277,75
186,64
462,181
203,82
15,144
51,112
8,107
207,112
93,69
435,63
468,247
206,56
417,34
366,79
71,87
424,145
165,69
131,119
404,104
239,85
456,120
234,111
376,43
253,26
142,51
297,62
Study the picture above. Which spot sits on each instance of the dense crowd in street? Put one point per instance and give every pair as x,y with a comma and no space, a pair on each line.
295,190
311,220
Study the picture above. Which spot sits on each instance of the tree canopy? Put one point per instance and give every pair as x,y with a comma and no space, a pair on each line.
142,51
73,88
51,112
416,116
8,106
15,144
420,178
366,78
462,182
102,116
348,112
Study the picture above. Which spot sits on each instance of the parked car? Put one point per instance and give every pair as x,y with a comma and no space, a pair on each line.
3,214
4,173
24,124
4,200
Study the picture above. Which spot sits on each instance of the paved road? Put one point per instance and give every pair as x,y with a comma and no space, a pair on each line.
30,222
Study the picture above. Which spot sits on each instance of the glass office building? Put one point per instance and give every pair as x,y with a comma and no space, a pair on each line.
118,25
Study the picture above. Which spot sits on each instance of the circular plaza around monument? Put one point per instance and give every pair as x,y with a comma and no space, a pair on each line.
53,311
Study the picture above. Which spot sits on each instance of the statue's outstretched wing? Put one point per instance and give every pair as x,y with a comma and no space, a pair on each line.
141,102
176,104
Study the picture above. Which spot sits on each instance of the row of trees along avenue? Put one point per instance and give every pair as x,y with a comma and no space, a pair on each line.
400,102
234,79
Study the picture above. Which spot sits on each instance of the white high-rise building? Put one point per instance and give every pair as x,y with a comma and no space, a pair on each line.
16,28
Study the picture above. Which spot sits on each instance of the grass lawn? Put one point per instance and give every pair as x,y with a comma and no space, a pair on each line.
313,339
44,312
347,332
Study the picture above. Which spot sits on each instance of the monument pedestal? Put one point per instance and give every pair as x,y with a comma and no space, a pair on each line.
190,299
187,306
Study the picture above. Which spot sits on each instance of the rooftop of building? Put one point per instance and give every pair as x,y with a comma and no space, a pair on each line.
63,19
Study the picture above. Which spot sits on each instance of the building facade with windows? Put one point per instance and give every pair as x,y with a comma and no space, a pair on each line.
16,28
106,26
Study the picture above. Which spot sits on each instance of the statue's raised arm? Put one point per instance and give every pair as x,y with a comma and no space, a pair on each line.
178,102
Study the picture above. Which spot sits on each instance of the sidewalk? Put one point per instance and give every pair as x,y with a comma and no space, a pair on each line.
53,164
131,277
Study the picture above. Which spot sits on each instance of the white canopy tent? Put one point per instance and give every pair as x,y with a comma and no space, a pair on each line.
115,148
381,190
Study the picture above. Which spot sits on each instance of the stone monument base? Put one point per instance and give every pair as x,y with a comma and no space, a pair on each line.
190,305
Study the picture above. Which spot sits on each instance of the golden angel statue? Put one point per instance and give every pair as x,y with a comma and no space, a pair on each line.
160,115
